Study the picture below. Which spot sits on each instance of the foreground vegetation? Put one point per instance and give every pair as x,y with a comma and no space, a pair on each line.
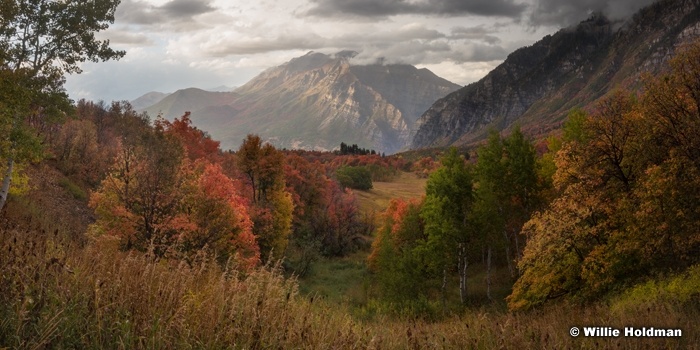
55,294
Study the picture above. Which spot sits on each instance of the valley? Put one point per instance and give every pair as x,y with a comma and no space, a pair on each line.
346,200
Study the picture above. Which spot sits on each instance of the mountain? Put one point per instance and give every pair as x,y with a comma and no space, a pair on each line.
190,99
221,88
148,99
536,86
316,102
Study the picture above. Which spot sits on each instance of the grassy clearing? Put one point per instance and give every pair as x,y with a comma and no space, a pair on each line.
405,186
344,281
338,280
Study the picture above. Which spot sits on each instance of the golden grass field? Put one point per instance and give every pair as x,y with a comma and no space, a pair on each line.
405,186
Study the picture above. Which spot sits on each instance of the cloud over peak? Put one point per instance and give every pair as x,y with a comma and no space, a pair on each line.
387,8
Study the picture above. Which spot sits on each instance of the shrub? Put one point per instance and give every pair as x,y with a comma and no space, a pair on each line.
358,178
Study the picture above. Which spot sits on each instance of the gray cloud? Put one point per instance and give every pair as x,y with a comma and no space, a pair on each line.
265,45
385,8
564,13
139,12
418,52
186,8
475,33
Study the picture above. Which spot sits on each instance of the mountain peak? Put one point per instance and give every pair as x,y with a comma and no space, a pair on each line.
537,85
316,101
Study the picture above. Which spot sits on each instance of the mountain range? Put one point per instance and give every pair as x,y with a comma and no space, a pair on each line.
536,86
315,102
318,101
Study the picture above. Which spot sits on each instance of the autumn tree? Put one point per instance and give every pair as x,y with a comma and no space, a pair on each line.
218,218
627,204
326,217
198,144
77,150
138,201
263,167
155,199
40,41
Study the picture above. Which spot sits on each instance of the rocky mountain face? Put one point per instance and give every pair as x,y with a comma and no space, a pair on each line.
536,86
315,101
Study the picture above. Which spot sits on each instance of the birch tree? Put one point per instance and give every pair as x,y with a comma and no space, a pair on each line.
40,42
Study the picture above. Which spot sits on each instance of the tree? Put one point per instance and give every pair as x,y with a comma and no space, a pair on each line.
138,201
507,192
77,150
355,177
40,41
395,262
219,218
198,144
448,202
263,167
586,240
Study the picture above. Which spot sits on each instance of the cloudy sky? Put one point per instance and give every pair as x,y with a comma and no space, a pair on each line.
174,44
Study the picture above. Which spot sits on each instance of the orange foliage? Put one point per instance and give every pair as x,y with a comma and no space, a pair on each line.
198,144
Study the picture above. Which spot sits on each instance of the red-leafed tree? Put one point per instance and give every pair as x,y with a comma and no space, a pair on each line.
220,218
198,144
156,199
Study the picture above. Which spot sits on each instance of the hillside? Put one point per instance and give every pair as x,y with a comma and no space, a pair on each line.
315,102
148,99
536,86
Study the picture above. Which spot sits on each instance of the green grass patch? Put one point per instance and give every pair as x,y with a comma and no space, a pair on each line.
338,280
74,190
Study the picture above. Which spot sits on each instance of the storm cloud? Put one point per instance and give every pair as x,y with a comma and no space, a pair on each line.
142,13
173,44
563,13
386,8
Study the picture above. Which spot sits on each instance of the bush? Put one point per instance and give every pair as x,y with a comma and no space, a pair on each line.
358,178
682,289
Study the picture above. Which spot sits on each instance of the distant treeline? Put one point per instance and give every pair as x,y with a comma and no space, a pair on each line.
346,149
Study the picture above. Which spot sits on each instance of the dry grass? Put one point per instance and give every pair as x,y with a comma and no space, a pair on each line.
55,295
405,186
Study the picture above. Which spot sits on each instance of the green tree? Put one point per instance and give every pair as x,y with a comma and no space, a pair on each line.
40,41
355,177
448,203
395,262
507,192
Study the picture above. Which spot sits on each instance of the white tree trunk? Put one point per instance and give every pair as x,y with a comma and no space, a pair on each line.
488,274
444,288
462,264
5,190
508,258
